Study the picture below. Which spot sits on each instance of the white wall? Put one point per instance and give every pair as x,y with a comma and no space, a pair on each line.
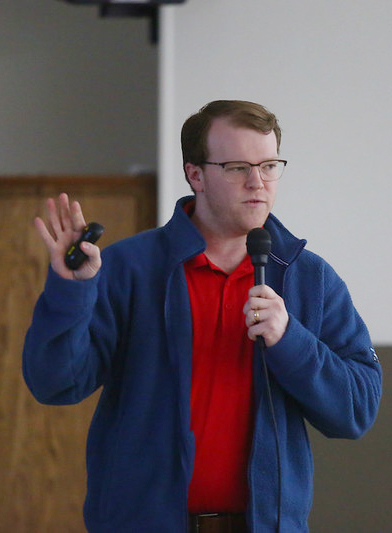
324,69
78,93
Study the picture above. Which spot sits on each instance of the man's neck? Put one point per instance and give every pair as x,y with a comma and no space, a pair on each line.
226,259
225,252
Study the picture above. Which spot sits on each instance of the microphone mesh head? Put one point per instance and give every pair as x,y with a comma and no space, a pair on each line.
258,244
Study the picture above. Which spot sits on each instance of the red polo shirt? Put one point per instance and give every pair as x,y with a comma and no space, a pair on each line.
222,410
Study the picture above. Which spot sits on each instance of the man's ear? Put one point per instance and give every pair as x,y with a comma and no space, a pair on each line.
195,177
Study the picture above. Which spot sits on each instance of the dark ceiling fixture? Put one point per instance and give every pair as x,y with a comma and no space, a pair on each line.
127,8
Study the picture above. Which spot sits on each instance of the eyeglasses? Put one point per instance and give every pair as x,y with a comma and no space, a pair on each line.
236,171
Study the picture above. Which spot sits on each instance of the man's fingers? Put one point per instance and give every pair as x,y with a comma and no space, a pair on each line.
78,221
90,267
43,231
262,291
64,212
54,218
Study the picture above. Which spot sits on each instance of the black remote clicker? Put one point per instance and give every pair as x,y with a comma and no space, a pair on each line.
74,256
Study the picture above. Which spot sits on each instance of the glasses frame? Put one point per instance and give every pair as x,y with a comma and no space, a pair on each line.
223,164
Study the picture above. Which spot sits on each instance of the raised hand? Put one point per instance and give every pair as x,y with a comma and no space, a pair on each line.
64,226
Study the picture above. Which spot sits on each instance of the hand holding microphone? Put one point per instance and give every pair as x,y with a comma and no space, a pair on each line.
265,312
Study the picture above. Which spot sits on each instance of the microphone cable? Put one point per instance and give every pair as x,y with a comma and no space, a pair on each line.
261,346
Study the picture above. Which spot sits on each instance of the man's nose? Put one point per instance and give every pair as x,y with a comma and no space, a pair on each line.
254,178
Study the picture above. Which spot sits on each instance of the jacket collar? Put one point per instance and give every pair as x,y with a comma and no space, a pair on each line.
185,241
285,246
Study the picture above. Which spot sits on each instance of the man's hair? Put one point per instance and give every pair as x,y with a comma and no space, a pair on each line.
240,113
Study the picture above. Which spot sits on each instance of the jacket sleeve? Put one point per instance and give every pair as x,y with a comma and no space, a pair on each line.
69,345
331,370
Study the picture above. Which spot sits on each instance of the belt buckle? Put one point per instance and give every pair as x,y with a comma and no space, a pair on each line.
204,515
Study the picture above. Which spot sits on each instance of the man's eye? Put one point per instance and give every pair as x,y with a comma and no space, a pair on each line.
270,166
236,168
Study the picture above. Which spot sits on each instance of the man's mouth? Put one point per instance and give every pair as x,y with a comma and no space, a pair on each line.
254,201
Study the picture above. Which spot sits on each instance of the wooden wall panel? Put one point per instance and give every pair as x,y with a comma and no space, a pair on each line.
42,448
353,478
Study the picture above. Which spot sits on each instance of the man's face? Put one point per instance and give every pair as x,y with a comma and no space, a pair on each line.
233,209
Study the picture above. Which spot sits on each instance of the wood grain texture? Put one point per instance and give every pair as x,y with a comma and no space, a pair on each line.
42,448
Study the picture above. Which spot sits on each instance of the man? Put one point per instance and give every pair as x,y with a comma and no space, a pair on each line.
183,438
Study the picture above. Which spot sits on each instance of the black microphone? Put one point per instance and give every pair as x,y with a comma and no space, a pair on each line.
258,245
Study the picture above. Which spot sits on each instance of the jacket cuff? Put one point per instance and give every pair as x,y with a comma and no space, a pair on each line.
69,294
291,354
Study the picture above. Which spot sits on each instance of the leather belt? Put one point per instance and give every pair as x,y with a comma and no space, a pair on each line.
217,523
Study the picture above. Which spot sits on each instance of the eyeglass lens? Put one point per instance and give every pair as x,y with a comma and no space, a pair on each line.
269,170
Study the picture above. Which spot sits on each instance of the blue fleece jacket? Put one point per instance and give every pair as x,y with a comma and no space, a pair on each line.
129,329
